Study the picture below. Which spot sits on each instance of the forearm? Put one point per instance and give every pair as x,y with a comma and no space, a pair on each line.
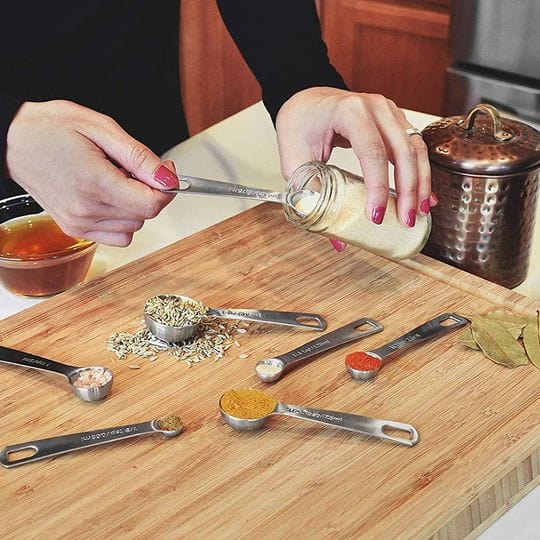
282,44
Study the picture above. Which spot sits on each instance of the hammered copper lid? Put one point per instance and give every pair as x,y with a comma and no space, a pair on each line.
483,143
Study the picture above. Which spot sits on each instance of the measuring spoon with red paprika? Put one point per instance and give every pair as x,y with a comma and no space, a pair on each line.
366,365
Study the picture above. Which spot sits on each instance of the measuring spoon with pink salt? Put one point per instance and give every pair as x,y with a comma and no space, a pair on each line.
91,383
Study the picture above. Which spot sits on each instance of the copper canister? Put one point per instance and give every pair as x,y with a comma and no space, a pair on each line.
485,171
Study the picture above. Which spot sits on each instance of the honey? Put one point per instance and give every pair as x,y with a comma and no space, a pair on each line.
38,259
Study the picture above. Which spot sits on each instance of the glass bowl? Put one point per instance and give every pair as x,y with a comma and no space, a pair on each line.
36,257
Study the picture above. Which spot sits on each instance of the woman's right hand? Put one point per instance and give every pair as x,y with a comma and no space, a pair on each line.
73,161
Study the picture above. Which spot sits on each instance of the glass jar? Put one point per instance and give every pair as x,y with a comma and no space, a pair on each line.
337,210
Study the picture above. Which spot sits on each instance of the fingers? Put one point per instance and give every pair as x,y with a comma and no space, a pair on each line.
376,129
110,238
424,200
122,196
130,154
369,147
403,154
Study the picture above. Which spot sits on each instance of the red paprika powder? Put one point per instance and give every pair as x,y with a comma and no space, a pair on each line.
362,361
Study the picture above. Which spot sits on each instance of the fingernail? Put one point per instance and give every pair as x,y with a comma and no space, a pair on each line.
377,215
339,246
425,206
165,176
434,199
411,218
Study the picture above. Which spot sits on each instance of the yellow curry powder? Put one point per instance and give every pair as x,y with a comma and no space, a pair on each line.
247,403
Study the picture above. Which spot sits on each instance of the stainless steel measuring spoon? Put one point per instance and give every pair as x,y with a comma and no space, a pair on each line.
205,186
175,334
73,373
437,327
366,425
271,369
54,446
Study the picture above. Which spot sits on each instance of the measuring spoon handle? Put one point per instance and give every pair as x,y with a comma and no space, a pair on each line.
352,422
311,321
193,184
62,444
350,332
429,330
21,358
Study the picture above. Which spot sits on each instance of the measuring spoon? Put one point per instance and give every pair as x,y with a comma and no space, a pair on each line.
435,328
271,369
62,444
205,186
366,425
174,334
20,358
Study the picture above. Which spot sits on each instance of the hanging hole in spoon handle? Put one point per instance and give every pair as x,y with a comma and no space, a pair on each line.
271,369
29,452
308,321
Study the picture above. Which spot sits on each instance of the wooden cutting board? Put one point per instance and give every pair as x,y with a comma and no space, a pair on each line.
479,423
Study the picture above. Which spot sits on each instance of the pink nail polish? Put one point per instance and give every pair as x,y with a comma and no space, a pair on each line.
425,206
411,218
165,176
338,245
377,215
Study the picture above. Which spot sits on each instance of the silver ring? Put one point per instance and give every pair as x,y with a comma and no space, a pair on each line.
413,131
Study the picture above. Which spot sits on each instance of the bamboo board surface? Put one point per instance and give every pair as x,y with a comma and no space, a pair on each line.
479,423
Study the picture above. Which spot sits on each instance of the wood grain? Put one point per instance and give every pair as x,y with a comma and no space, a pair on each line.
479,423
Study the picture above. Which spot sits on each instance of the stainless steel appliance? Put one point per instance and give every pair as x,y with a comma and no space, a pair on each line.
495,50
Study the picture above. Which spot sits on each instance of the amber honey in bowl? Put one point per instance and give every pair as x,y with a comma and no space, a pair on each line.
38,259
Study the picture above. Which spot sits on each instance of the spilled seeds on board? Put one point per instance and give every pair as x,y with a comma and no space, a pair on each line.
213,341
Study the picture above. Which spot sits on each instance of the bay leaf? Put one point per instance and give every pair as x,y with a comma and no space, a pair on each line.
497,343
508,317
531,340
466,338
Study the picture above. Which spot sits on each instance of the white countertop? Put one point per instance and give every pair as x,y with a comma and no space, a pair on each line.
243,149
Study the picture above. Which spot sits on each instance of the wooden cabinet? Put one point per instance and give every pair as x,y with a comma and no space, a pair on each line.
216,82
395,48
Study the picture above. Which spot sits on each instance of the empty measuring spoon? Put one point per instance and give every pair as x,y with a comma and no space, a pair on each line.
437,327
54,446
175,334
205,186
366,425
271,369
75,375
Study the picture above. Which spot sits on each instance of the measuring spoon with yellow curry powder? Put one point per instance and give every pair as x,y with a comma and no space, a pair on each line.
247,409
11,456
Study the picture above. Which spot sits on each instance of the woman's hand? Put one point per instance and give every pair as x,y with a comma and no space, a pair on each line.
73,161
314,121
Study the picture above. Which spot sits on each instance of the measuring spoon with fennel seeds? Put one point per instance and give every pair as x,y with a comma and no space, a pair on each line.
174,334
